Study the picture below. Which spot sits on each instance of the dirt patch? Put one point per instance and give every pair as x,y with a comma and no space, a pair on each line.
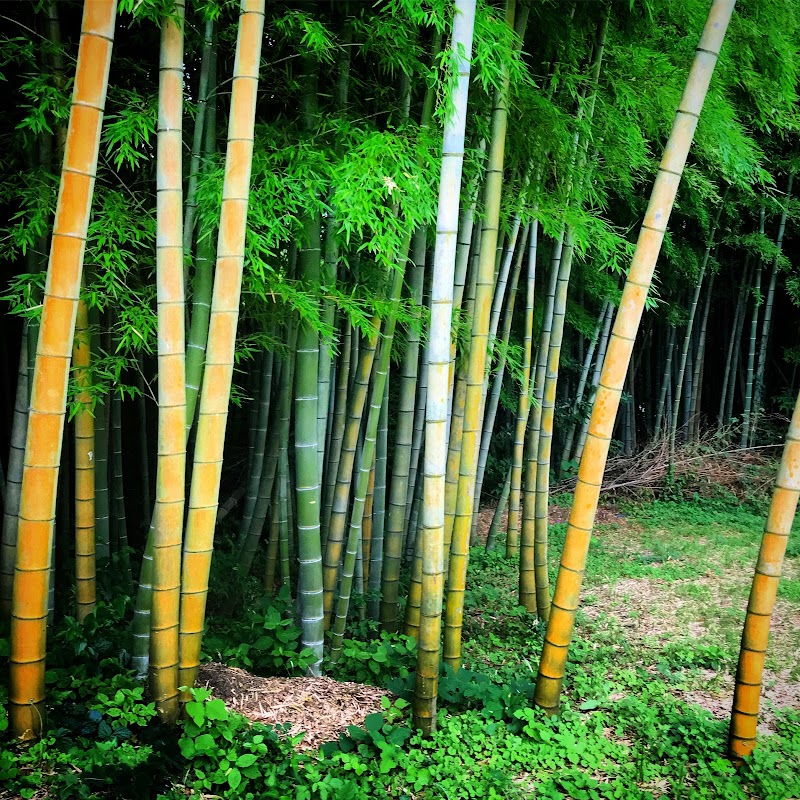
778,693
320,708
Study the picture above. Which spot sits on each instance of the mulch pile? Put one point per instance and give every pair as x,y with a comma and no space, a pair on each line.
320,708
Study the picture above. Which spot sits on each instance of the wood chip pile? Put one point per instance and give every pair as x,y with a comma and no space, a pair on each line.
321,708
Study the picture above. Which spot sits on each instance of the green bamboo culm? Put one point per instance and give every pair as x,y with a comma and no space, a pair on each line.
307,487
367,458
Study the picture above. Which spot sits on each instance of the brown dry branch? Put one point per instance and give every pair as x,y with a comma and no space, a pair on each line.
703,467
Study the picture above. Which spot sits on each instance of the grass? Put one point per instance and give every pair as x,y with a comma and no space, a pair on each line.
646,695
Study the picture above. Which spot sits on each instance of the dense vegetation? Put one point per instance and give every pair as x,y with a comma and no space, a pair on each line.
303,287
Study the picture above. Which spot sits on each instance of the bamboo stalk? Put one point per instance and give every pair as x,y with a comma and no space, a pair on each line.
439,358
764,589
16,457
213,413
85,582
615,366
49,384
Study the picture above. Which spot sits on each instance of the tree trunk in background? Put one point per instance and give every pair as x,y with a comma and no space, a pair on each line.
765,327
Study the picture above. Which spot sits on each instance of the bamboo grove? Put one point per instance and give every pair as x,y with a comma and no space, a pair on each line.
301,288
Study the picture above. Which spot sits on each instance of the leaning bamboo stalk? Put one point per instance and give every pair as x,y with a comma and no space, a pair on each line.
545,442
118,494
515,540
598,367
337,427
666,379
687,339
582,380
490,411
497,517
751,355
368,453
258,441
573,561
734,345
213,414
432,535
698,364
49,384
376,555
755,636
202,283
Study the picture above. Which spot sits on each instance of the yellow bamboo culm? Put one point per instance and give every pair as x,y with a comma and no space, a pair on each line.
85,574
49,387
215,395
755,637
171,469
615,366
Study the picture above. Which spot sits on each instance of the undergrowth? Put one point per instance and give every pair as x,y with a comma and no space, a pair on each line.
624,730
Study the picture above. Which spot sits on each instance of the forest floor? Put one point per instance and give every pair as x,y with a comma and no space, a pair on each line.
669,576
646,701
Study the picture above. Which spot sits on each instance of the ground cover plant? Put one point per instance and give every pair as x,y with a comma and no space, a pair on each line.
399,398
648,694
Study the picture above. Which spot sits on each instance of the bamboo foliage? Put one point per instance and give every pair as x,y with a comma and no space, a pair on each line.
615,366
217,375
755,636
49,384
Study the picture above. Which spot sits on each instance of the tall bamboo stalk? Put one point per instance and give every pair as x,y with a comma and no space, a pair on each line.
765,325
213,414
432,535
615,367
85,579
11,498
403,444
49,384
171,465
459,549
